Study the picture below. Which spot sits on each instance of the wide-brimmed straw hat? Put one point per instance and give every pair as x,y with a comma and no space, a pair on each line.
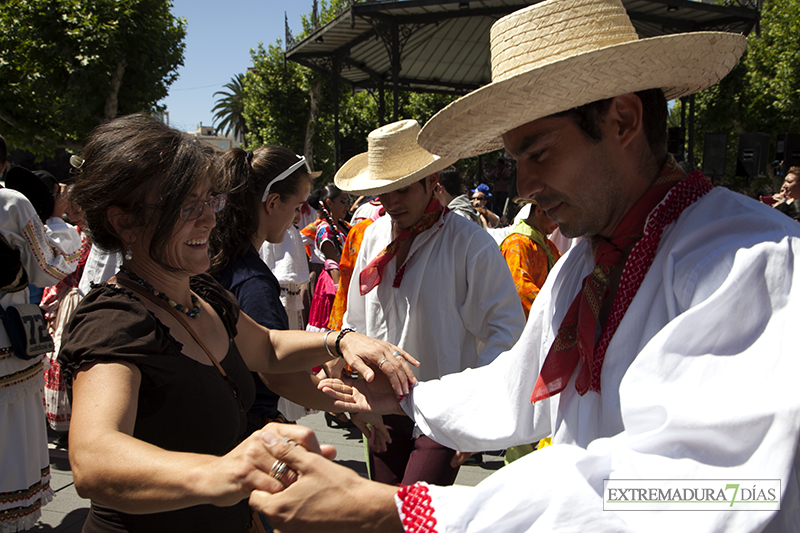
561,54
392,161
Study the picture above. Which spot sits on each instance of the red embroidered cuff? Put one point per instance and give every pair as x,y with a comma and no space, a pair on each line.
416,511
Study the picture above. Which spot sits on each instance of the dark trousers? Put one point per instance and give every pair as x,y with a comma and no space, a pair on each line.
408,460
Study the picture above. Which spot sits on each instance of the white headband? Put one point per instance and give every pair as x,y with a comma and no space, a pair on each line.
283,175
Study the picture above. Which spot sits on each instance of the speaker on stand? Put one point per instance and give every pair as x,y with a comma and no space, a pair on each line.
714,155
787,153
751,160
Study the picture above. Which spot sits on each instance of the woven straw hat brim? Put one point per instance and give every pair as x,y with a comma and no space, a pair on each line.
355,177
680,64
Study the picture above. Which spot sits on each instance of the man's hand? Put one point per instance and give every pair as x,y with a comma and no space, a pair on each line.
360,396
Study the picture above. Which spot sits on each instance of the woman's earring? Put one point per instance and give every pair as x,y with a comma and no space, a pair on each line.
128,253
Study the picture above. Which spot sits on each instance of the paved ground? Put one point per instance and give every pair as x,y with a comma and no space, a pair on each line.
66,513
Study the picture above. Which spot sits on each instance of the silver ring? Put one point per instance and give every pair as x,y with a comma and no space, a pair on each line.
397,353
287,440
278,469
380,365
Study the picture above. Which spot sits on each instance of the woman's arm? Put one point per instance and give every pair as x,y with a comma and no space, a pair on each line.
301,388
272,351
115,469
331,254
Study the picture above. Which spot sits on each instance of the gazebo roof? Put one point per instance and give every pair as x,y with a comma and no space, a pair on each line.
443,45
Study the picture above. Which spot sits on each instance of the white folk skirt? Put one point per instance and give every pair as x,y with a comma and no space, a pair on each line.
25,465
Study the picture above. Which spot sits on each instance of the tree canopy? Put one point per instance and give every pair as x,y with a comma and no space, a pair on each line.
68,65
291,105
760,95
230,108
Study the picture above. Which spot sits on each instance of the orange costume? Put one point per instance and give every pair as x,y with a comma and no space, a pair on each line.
346,264
530,256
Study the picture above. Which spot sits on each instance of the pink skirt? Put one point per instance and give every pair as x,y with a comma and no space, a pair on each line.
322,303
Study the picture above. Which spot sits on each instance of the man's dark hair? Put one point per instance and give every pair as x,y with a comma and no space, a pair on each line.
654,119
3,150
450,179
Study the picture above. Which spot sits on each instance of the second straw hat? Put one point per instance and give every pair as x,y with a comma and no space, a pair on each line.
393,160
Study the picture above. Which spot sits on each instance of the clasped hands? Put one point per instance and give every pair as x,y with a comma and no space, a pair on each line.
316,494
363,353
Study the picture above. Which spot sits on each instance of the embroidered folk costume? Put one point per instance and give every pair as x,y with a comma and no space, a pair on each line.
346,265
530,256
48,254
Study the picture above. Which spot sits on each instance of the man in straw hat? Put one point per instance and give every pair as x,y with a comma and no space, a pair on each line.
657,349
433,282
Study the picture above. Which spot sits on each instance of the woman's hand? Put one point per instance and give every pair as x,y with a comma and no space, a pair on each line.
361,351
360,396
326,498
247,467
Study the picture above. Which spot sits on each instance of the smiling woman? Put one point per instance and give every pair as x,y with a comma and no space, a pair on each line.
158,360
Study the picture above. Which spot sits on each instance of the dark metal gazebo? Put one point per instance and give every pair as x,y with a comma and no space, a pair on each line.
442,46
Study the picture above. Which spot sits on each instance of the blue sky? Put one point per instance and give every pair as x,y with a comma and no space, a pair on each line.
220,34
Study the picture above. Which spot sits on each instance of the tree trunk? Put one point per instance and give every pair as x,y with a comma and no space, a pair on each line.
314,96
112,102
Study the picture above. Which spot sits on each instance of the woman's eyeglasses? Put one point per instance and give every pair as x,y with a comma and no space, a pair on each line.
194,210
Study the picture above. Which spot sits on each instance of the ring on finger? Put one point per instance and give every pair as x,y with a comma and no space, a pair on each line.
278,469
380,365
287,440
397,353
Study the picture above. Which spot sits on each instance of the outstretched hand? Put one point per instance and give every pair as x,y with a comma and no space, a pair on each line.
363,353
361,396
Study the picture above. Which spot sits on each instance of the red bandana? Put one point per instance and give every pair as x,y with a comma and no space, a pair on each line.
642,227
371,275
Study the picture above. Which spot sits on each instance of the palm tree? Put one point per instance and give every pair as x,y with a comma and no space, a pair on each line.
230,108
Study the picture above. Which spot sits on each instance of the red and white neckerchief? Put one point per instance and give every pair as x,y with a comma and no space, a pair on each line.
575,344
371,276
416,511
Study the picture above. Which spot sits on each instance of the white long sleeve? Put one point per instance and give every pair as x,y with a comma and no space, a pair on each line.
699,382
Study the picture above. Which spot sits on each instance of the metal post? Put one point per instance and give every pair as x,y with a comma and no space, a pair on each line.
691,133
683,126
335,89
395,71
381,103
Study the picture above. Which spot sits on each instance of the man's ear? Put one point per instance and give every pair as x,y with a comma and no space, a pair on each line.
624,118
432,180
122,223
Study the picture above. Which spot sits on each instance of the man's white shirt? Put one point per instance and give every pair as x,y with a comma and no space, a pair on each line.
699,382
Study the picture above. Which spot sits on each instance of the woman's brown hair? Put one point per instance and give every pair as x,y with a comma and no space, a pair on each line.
146,169
246,175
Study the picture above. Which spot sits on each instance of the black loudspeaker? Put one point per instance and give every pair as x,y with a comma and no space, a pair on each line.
714,154
752,158
787,152
675,142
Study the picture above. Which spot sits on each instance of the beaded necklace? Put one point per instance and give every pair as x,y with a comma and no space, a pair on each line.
191,313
